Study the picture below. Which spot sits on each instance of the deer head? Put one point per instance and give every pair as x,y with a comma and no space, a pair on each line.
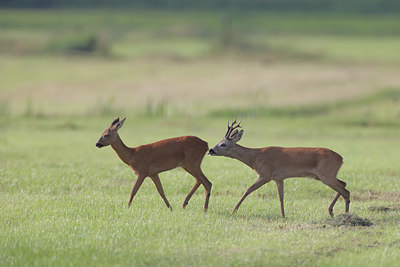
110,135
232,136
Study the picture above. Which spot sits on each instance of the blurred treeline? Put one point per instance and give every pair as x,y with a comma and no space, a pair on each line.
342,6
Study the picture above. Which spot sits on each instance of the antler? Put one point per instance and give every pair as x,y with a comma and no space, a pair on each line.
227,131
232,127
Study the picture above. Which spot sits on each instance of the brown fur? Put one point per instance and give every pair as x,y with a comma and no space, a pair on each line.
151,159
278,163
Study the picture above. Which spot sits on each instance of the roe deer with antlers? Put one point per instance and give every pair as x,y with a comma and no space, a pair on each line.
151,159
279,163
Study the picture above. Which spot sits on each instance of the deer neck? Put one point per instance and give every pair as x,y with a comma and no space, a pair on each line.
123,152
244,154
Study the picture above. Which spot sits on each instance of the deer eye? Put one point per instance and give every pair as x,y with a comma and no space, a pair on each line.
106,135
223,145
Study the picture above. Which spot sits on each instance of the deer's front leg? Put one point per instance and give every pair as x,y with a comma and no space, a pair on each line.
260,181
279,184
160,189
136,187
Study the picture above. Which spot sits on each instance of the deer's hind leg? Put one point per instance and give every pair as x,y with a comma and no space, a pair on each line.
198,174
339,187
188,197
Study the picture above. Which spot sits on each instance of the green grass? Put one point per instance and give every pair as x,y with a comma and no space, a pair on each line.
133,33
162,20
64,201
331,47
295,79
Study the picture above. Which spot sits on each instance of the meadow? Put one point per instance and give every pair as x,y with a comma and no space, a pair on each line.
295,79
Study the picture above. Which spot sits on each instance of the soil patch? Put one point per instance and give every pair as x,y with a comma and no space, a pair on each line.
348,220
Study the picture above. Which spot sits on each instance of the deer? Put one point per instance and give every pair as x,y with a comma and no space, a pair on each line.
278,163
149,160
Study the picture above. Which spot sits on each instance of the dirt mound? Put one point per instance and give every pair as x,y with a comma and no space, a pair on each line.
348,220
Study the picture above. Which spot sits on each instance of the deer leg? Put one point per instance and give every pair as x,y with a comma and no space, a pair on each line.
259,182
339,187
160,189
330,209
197,184
279,184
347,200
199,175
135,188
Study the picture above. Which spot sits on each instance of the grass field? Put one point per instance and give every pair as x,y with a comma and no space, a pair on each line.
295,79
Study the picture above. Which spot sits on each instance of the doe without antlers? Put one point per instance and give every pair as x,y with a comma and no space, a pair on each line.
151,159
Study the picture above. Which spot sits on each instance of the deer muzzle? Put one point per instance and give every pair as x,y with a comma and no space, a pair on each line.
212,152
99,145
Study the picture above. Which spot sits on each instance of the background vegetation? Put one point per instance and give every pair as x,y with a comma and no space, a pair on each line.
297,79
355,6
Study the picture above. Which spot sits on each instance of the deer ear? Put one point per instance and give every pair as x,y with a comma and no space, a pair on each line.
236,136
115,121
119,124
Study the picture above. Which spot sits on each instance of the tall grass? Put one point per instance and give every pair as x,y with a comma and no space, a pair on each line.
155,108
208,21
5,108
318,110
